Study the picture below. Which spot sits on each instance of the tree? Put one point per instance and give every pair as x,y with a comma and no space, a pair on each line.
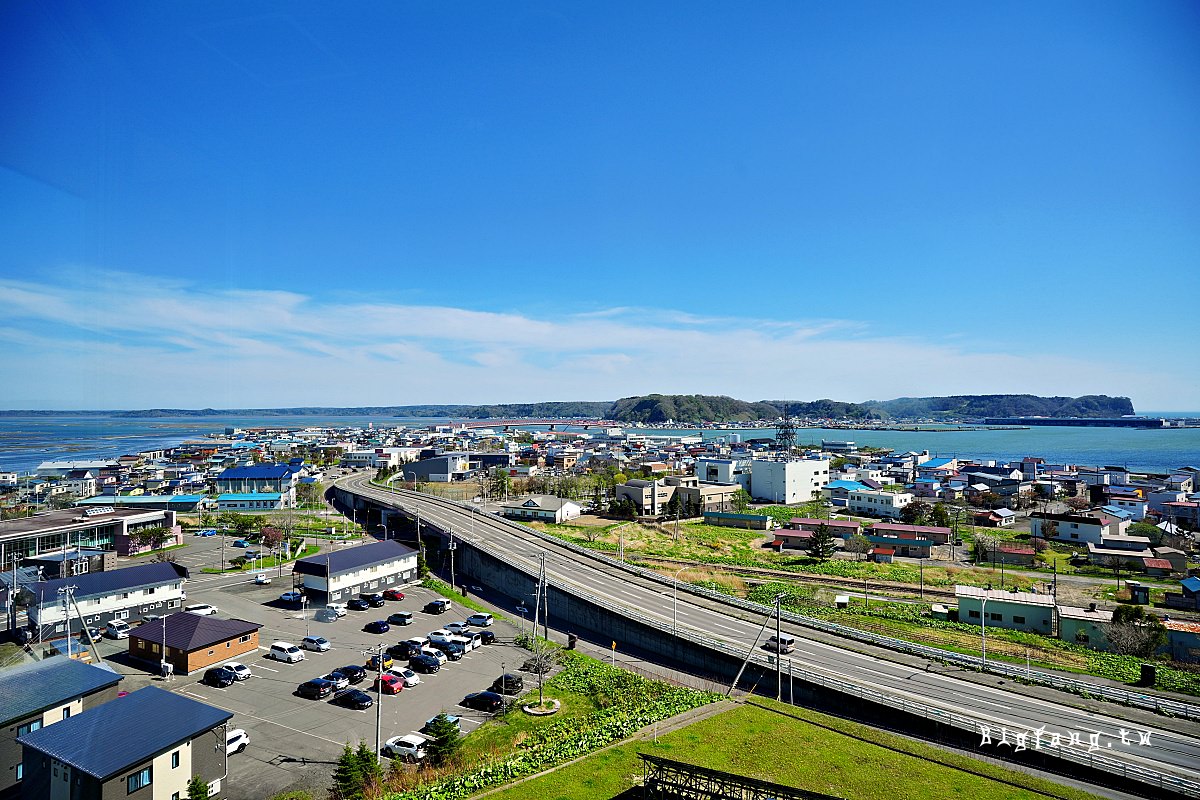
347,776
985,548
271,537
675,505
1151,532
990,499
369,766
1078,503
1133,632
915,513
310,494
197,788
446,739
821,546
859,545
741,501
939,516
152,537
500,483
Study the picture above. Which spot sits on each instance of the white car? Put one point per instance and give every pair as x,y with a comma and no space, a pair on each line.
262,579
458,627
337,608
202,609
242,672
338,680
410,747
480,620
441,657
117,629
440,635
236,741
318,643
409,677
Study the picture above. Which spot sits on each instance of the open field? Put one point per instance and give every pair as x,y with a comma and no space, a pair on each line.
798,748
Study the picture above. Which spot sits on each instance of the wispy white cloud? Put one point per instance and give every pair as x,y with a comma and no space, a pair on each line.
111,340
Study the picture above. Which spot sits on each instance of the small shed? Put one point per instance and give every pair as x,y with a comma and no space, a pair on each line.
758,522
882,555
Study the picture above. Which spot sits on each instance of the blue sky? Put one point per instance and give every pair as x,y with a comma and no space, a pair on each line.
259,204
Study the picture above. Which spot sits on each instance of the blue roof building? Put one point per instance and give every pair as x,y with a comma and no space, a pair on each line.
145,745
260,479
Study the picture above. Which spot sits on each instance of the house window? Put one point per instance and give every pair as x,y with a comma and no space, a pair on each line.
1018,620
29,727
175,760
138,780
175,796
67,712
20,771
996,617
244,639
973,614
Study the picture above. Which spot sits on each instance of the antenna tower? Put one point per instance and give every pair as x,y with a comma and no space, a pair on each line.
785,432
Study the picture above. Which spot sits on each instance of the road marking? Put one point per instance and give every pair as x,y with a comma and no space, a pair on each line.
268,669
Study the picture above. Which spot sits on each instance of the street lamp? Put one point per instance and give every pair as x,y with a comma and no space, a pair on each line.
778,651
983,631
675,602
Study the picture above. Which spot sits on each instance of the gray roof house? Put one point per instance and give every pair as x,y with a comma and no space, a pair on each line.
42,693
338,576
543,508
164,740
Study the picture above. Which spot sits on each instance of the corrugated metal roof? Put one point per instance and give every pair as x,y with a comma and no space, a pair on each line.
127,731
353,558
101,583
31,688
248,496
259,472
185,631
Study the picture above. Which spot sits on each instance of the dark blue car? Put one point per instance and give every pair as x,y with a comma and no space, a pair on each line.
378,626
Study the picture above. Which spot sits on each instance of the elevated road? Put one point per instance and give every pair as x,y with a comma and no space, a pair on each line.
1137,740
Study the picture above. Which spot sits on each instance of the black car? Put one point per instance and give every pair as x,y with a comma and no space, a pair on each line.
316,689
220,677
437,606
453,650
353,698
358,604
353,673
403,650
484,701
375,599
487,637
378,626
424,663
509,683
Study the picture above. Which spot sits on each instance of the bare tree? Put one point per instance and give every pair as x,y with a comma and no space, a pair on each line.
1133,632
859,545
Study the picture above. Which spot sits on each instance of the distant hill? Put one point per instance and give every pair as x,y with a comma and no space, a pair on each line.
687,409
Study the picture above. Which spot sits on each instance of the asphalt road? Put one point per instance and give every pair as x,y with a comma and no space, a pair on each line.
1168,751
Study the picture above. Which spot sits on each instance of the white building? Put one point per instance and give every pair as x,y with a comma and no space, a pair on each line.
878,503
341,575
794,481
542,508
100,597
724,470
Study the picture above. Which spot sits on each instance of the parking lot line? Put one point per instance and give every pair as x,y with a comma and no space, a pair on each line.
268,669
270,721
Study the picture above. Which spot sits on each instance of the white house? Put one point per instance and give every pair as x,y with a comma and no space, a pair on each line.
100,597
791,481
341,575
1073,528
878,503
724,470
542,508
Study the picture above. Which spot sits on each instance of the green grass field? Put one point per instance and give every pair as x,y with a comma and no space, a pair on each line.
781,744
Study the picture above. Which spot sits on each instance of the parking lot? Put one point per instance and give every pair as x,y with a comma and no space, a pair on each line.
294,742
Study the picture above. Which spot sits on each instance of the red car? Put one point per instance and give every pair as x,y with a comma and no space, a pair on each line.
393,594
389,684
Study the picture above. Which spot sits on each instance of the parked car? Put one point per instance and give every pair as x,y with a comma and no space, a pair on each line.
457,627
374,662
453,650
358,604
468,641
440,635
354,672
439,606
205,532
401,618
117,629
388,683
236,741
430,650
219,677
419,641
484,701
285,652
338,680
378,626
91,634
403,650
353,698
241,671
291,597
326,615
393,594
262,579
509,683
429,722
375,599
202,609
316,689
240,543
409,677
487,637
480,620
337,608
409,747
424,663
316,643
251,554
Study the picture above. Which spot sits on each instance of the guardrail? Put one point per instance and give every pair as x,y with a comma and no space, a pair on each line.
1081,755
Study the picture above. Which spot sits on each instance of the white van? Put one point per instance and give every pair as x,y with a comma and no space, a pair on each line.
288,653
116,629
785,643
469,641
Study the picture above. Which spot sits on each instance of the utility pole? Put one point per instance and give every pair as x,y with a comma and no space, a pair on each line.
377,653
452,547
921,564
778,653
